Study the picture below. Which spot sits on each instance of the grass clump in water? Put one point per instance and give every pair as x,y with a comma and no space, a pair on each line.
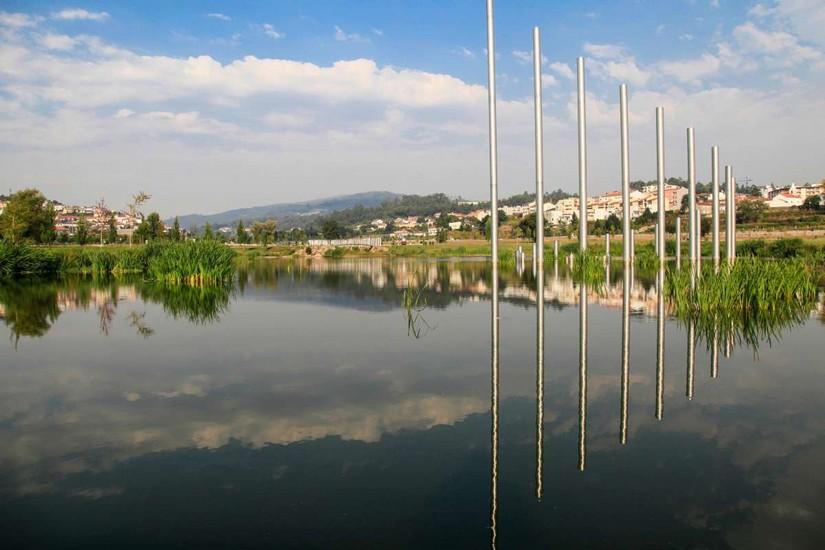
750,301
191,262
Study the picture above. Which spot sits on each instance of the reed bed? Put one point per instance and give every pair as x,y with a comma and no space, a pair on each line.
21,259
749,302
191,263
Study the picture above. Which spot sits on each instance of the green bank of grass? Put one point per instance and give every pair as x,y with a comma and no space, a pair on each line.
191,262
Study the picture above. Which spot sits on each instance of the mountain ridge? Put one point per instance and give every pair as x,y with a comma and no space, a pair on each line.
284,212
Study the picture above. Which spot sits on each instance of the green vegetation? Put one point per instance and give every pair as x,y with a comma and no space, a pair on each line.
27,217
18,260
751,301
192,263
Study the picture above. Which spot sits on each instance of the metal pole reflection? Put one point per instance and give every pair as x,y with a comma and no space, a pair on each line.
660,342
582,375
539,263
625,351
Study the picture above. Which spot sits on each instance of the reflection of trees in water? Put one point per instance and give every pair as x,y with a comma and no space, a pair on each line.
29,309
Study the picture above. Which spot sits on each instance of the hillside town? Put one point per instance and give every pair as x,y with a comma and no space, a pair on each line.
560,215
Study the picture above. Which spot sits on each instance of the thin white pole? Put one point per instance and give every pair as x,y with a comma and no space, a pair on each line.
582,156
625,144
733,217
539,263
494,343
539,147
730,215
691,155
714,175
679,242
607,246
660,176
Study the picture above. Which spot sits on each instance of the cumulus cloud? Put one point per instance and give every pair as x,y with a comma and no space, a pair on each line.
562,69
605,51
18,20
57,42
79,14
221,16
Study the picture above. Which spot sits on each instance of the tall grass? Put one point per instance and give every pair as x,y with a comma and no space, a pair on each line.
192,263
22,260
751,301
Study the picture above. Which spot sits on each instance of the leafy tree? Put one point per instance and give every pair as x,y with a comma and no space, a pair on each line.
240,233
174,233
750,211
151,229
330,229
263,232
613,224
208,234
134,209
111,233
527,226
27,217
82,234
812,203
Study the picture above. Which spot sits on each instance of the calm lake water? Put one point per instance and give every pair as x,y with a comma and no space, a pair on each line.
306,407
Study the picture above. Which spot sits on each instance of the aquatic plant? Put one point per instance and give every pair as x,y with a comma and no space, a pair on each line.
414,304
22,259
192,262
749,302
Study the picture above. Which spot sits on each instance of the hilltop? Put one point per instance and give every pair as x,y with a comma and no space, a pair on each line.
287,214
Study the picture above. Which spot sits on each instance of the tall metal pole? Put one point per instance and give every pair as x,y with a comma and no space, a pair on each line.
714,176
733,217
626,235
582,156
679,242
625,384
730,215
660,176
660,342
494,311
691,156
582,375
539,257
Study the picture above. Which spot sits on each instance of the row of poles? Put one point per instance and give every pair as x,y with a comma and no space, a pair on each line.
694,230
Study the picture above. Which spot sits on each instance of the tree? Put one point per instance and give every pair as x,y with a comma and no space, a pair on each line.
262,232
208,235
812,203
330,229
111,235
27,217
174,233
241,235
82,234
527,226
750,211
151,229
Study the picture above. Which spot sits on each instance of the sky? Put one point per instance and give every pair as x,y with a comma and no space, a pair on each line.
210,105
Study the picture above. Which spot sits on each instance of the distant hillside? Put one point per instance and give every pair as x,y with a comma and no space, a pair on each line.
287,214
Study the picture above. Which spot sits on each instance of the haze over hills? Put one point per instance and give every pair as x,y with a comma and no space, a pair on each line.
287,214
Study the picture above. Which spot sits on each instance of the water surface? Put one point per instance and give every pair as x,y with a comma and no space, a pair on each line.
305,407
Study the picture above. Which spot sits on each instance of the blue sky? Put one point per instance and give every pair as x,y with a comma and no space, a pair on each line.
212,105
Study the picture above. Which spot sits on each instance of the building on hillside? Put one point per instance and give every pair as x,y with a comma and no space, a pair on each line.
785,200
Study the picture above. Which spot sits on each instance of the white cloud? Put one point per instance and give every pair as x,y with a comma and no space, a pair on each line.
686,37
59,42
376,32
465,52
692,70
761,11
17,20
779,47
342,36
549,80
624,71
660,28
805,17
79,14
522,56
221,16
270,31
605,51
562,69
714,3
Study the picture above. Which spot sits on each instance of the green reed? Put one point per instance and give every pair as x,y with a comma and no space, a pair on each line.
749,302
191,262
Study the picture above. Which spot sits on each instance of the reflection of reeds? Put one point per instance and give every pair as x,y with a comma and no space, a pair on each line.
747,303
414,305
197,304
